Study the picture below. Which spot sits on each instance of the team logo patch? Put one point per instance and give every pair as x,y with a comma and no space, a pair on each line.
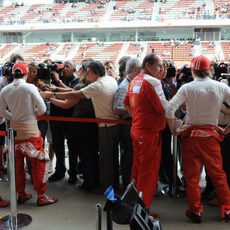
15,85
136,86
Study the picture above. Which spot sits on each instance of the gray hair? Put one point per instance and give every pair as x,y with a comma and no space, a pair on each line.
131,64
71,63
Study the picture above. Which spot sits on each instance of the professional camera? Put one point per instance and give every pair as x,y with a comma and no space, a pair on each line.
225,78
44,70
57,66
7,70
220,69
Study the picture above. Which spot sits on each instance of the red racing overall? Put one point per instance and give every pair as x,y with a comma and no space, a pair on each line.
200,145
148,119
32,149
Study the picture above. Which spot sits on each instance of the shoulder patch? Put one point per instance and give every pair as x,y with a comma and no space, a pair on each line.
135,86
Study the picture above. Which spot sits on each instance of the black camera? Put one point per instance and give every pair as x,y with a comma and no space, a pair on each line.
220,69
44,73
7,70
57,66
44,70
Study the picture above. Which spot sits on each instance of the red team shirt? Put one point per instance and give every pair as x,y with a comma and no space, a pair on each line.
148,114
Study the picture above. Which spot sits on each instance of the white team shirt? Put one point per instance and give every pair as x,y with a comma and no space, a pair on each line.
203,99
23,101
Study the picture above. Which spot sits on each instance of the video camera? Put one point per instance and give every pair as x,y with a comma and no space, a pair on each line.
225,75
7,70
44,70
220,69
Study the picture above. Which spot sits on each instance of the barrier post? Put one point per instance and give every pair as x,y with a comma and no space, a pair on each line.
14,220
98,216
174,187
109,221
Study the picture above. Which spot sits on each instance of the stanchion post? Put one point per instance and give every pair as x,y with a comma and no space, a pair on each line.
174,187
109,221
13,221
98,216
13,195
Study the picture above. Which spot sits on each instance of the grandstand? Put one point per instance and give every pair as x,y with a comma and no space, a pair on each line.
109,29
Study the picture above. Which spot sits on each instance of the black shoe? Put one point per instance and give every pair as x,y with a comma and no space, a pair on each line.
72,180
56,177
208,195
195,217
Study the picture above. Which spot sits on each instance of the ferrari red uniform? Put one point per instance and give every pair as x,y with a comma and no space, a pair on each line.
200,136
148,119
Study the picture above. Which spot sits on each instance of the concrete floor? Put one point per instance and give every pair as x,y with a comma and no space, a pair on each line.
76,211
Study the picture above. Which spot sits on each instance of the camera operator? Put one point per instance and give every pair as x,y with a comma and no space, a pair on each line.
59,129
101,91
28,141
82,136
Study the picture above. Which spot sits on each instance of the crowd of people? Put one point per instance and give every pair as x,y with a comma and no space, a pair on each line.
136,112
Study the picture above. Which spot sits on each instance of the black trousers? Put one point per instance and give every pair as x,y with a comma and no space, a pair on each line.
126,151
167,157
83,142
58,131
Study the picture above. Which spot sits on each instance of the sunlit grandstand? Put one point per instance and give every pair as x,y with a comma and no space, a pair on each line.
175,29
114,113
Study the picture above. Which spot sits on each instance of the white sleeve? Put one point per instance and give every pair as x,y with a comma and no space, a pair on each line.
160,92
175,102
156,84
91,90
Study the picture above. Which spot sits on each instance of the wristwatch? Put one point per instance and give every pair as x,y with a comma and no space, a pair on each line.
54,95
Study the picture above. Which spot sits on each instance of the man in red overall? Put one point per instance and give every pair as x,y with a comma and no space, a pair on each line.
144,98
20,103
201,136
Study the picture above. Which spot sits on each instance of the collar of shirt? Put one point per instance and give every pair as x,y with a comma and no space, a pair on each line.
201,79
19,80
72,82
128,79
